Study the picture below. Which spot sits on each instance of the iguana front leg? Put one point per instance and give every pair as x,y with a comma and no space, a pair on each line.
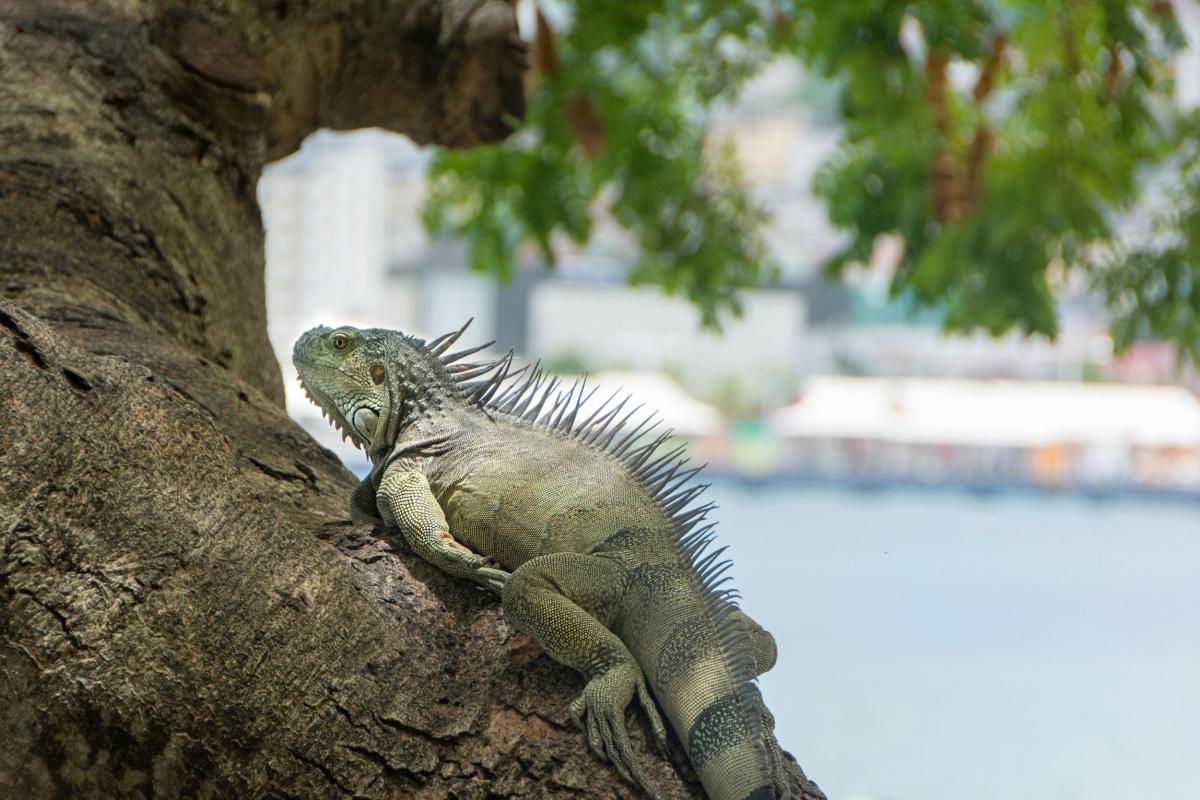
405,501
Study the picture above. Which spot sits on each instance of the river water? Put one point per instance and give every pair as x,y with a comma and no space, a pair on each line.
943,646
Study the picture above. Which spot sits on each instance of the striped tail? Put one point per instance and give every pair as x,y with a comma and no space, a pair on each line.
698,659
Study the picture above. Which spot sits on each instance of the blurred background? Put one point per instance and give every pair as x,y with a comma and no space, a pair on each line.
919,281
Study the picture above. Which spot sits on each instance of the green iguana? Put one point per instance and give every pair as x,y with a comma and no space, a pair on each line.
586,531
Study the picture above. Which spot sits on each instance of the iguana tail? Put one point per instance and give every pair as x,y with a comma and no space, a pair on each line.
696,652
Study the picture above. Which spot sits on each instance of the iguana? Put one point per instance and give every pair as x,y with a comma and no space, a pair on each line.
588,533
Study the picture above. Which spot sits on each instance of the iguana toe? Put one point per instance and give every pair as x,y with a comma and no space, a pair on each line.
600,710
494,579
656,721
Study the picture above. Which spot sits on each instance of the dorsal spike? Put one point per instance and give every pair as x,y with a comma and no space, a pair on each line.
694,515
442,343
592,431
714,573
583,426
702,564
654,473
488,388
471,371
698,533
659,480
683,478
606,444
455,369
683,498
536,411
635,434
508,401
568,423
694,545
636,459
589,432
650,472
529,397
561,403
461,354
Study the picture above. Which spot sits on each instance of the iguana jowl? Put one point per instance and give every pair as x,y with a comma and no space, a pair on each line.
588,534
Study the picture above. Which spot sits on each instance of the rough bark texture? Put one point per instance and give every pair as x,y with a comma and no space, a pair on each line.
184,608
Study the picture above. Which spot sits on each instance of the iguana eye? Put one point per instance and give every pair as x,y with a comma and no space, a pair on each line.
340,341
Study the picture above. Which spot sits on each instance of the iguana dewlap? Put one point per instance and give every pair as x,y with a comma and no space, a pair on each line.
586,532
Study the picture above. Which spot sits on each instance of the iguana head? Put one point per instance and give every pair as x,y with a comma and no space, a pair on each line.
345,372
371,382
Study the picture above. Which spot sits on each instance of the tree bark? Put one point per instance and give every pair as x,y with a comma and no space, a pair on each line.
185,609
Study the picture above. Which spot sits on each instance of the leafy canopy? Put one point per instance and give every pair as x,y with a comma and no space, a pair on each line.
1004,142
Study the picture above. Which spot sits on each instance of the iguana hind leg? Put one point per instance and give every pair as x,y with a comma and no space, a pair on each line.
567,601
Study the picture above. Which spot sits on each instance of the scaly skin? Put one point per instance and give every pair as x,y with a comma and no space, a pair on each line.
584,531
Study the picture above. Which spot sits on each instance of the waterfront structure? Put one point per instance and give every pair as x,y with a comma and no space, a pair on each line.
1041,432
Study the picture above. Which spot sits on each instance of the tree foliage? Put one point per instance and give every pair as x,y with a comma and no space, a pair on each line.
1007,143
619,108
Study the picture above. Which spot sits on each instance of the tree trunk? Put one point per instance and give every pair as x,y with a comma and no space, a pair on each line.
185,609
